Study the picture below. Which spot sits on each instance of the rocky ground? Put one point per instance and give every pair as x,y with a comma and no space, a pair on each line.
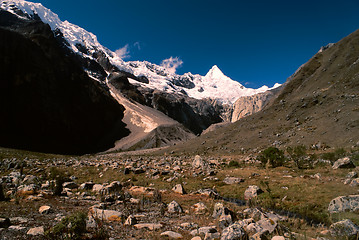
118,196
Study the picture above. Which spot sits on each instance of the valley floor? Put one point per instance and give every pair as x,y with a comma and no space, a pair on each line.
147,196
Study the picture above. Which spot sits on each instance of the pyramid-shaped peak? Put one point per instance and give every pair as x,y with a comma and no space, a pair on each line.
215,72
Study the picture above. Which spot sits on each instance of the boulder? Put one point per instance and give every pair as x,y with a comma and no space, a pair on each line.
344,203
198,162
97,188
344,228
219,210
174,207
252,192
278,238
113,187
199,208
179,189
45,209
343,163
172,235
233,180
108,215
233,232
36,231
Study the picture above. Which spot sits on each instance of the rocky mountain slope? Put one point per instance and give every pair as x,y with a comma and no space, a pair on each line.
205,99
48,102
317,107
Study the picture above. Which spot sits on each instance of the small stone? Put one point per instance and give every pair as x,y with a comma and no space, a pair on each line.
109,215
354,182
17,228
36,231
150,226
130,221
179,189
172,235
45,209
174,207
199,208
196,238
233,180
252,192
278,238
352,175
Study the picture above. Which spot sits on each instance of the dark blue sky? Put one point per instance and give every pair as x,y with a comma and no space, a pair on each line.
253,42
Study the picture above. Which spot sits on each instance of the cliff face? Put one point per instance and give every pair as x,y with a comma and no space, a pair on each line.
248,105
48,103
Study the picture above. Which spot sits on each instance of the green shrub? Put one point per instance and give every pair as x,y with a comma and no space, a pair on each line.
333,156
70,227
233,164
272,157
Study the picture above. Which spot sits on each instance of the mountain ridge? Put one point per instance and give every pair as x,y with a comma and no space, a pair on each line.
86,44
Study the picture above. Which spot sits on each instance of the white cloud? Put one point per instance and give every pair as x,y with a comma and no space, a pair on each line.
123,52
172,63
138,45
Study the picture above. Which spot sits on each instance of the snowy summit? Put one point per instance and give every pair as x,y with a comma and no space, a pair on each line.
214,85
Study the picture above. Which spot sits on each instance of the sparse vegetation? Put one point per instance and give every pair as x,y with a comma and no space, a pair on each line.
272,157
70,227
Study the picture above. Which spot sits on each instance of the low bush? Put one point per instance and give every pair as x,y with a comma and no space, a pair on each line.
272,157
70,227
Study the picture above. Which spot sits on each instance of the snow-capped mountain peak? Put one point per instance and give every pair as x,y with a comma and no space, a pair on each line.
215,73
214,84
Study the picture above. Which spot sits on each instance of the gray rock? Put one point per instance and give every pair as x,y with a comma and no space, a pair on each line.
233,180
343,163
174,207
212,236
172,235
344,228
354,182
209,192
97,188
36,231
252,192
179,189
344,203
233,232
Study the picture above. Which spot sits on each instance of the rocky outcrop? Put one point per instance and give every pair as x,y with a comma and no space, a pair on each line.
344,203
248,105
